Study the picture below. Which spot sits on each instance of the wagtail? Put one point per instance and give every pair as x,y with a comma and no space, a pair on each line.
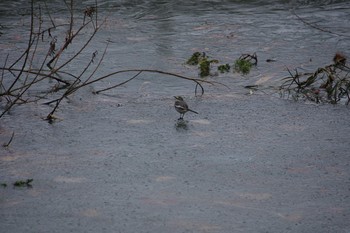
182,107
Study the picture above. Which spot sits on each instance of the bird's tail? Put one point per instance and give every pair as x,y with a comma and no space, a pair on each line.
192,111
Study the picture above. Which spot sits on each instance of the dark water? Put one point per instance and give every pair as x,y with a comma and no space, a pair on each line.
119,162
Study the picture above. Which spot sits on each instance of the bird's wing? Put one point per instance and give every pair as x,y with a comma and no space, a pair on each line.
181,106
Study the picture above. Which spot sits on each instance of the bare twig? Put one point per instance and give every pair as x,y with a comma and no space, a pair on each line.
317,27
9,142
48,13
8,107
2,76
28,48
119,84
98,65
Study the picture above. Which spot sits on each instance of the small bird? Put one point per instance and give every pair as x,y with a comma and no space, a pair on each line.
182,107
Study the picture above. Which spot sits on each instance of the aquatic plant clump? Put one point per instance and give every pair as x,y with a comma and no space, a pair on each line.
243,66
224,68
23,183
195,58
203,62
204,67
329,84
245,62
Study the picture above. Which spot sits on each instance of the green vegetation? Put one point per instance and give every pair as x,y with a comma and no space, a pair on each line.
204,67
243,66
19,183
203,62
224,68
245,62
195,58
23,183
329,84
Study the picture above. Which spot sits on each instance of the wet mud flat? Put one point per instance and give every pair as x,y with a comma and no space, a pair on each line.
244,164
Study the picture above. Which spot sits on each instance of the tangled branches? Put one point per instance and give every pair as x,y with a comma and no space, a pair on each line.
53,75
329,84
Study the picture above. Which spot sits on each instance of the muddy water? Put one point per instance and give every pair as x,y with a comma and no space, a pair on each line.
121,162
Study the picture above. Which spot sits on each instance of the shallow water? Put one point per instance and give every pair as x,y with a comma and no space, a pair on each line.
164,34
121,162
